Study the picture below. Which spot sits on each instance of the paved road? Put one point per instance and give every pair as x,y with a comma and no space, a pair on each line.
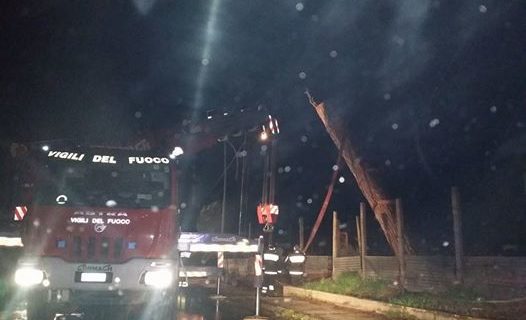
317,310
197,304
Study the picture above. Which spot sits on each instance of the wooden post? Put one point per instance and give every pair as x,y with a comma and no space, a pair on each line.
400,234
335,240
363,239
457,229
302,233
359,240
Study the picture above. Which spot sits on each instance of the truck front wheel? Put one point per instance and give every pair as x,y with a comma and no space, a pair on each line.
38,307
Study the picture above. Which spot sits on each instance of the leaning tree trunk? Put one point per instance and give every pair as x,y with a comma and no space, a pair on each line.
383,208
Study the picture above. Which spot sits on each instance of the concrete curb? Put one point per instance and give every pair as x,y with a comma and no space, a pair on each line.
371,305
272,308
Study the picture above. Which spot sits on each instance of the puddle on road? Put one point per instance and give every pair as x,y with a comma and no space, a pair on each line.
193,305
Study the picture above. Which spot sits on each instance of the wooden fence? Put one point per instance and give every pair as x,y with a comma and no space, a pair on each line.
315,267
502,275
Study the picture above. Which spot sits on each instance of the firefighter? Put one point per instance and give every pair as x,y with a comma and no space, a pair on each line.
296,265
271,259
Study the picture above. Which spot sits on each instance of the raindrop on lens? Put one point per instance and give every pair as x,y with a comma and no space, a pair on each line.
333,54
299,6
341,179
493,109
435,122
205,62
138,114
302,75
395,126
111,203
483,8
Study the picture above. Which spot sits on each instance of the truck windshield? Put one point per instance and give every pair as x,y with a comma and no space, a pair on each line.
95,185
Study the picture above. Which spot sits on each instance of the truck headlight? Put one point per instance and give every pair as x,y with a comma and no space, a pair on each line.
158,278
28,276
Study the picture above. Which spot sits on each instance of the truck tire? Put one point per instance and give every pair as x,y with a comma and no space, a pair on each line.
38,308
162,309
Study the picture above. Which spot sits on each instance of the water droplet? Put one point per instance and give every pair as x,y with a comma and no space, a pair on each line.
387,96
138,114
304,139
155,208
399,40
280,170
287,169
281,232
433,123
309,201
483,8
205,62
114,174
183,205
493,109
333,54
299,6
111,203
445,243
264,148
335,167
302,75
341,179
395,126
388,162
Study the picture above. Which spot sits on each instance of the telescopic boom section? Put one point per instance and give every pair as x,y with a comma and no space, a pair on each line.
383,208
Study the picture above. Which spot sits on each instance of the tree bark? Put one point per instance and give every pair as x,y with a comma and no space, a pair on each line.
378,200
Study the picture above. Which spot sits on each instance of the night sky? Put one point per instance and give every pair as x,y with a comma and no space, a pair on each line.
433,94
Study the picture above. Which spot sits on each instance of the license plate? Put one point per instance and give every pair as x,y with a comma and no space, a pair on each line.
93,277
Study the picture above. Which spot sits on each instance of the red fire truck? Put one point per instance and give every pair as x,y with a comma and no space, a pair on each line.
100,229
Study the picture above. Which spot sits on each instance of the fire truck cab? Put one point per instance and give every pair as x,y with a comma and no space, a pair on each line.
100,230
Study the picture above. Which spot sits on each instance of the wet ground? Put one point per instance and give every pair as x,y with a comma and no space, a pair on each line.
236,303
192,304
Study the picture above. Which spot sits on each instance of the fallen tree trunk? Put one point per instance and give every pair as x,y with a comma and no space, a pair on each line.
382,206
